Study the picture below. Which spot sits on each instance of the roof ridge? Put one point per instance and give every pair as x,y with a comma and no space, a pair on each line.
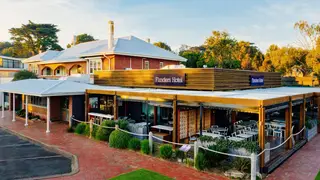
60,81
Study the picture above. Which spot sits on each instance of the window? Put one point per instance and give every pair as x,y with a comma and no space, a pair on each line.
61,71
95,65
47,71
161,65
146,65
38,101
34,68
8,63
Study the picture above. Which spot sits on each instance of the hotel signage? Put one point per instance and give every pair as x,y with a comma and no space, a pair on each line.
256,80
170,79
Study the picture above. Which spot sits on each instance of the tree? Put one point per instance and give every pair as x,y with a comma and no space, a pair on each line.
309,33
6,49
34,37
194,56
24,74
162,45
81,38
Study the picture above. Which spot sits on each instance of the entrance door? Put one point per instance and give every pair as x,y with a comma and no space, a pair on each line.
78,107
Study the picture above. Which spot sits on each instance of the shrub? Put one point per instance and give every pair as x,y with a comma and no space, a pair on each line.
200,161
189,162
123,124
166,151
80,128
206,139
94,131
119,139
104,133
213,158
145,146
134,144
180,154
87,130
242,164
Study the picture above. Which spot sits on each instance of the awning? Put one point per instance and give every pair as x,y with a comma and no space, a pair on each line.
44,87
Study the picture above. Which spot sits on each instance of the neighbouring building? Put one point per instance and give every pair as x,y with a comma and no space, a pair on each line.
8,67
123,53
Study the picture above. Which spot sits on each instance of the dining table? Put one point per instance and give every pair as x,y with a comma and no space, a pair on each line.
245,136
237,139
211,134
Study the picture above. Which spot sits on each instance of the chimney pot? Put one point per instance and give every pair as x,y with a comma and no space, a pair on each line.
148,40
111,35
74,40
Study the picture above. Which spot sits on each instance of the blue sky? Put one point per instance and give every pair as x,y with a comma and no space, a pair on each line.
176,22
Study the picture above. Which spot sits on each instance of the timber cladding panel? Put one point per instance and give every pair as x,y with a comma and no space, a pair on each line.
196,78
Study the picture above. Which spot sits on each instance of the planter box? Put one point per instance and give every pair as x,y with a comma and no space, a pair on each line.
310,133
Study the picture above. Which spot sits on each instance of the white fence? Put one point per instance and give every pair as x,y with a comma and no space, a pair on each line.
253,157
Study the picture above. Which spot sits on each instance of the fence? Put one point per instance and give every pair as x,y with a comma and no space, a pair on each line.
253,157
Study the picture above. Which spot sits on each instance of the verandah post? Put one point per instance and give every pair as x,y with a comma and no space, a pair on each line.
150,142
91,128
13,107
253,166
196,149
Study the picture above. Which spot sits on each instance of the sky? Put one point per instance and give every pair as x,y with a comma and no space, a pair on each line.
176,22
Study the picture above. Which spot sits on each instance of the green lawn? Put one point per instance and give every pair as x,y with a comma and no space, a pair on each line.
141,174
318,176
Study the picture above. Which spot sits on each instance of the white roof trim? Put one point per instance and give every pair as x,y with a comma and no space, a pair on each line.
60,61
11,58
130,54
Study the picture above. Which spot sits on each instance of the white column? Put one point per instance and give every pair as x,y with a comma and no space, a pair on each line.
2,104
26,106
13,107
48,115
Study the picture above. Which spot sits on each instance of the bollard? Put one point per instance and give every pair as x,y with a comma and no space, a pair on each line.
196,149
253,166
117,127
150,142
91,128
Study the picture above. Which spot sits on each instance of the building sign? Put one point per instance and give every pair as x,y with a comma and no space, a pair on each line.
170,79
256,80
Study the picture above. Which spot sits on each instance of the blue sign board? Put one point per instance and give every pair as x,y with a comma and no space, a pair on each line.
256,80
170,79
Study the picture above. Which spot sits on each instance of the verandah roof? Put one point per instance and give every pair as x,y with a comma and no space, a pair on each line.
44,87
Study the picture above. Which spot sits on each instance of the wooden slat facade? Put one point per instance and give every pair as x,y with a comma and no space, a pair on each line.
196,78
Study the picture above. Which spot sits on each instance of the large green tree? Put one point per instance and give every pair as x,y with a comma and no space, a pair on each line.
81,38
6,48
33,37
162,45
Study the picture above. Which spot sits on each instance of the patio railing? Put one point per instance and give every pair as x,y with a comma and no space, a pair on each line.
253,157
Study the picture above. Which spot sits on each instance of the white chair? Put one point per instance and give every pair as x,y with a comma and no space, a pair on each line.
214,126
192,138
277,132
233,134
216,132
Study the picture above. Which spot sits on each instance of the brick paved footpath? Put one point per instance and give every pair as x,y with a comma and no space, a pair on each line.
96,159
303,165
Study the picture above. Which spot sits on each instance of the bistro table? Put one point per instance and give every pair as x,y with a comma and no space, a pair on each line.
235,139
162,127
211,134
245,136
220,129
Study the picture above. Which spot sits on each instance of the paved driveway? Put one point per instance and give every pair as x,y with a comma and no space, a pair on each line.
22,159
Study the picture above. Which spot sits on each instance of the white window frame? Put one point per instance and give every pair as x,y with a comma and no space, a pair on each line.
34,68
161,65
93,65
62,71
146,65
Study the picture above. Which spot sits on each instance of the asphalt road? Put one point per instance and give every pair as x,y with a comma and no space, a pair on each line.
21,159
